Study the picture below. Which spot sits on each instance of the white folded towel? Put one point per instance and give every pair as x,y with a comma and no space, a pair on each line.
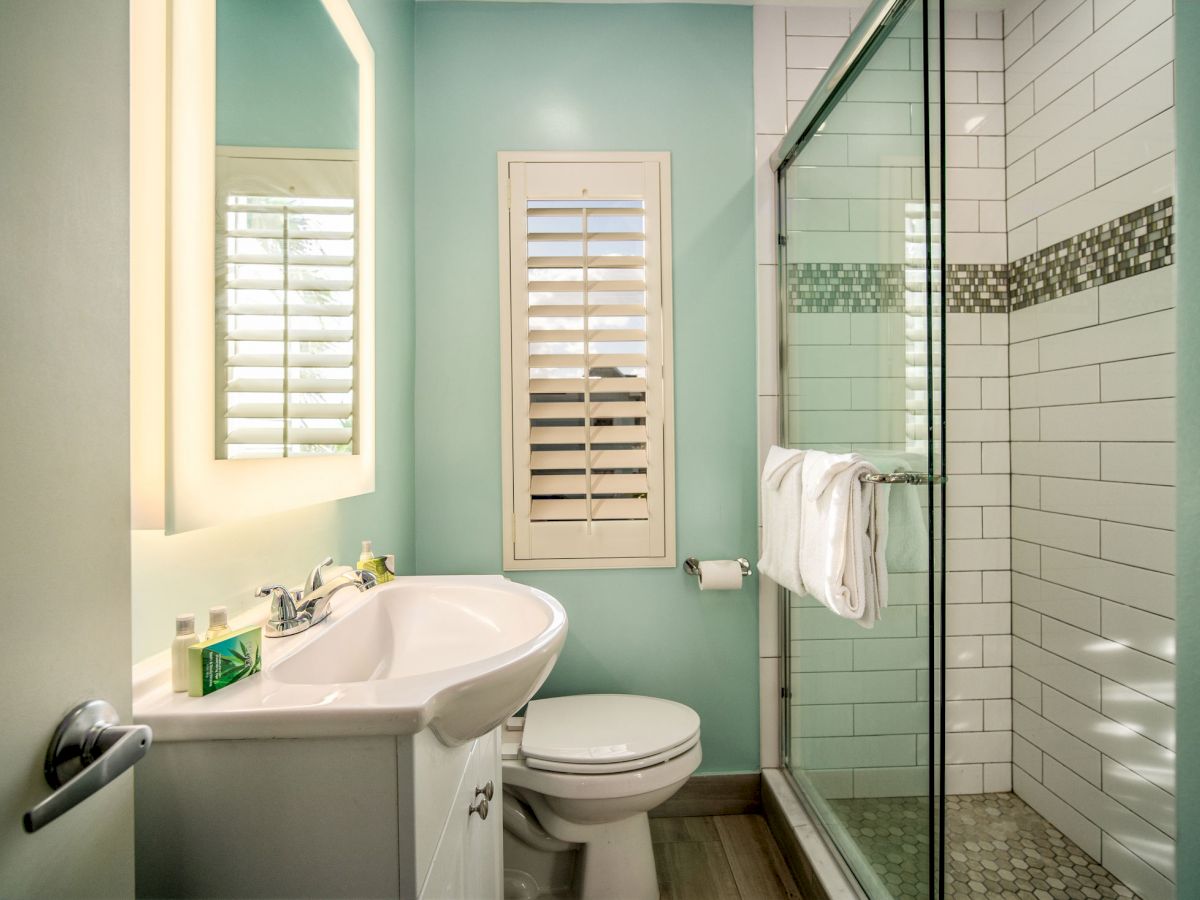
825,531
908,524
843,536
782,500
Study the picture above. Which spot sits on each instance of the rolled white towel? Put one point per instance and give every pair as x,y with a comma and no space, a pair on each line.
782,499
908,523
843,536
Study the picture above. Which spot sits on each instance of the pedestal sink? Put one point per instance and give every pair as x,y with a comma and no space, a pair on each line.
358,763
456,654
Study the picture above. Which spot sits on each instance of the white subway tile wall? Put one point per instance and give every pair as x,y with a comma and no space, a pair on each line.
1060,144
877,121
770,123
1090,136
1090,140
848,382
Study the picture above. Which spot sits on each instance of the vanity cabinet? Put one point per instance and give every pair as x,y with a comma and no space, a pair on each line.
370,816
467,862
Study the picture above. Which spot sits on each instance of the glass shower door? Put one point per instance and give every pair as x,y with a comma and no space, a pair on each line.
860,289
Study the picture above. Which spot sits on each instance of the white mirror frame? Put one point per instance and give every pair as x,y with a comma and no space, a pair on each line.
178,483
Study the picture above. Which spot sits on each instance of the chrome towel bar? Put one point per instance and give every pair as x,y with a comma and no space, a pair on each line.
903,478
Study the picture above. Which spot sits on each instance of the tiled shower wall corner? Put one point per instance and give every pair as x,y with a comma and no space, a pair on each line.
1087,133
792,48
1089,90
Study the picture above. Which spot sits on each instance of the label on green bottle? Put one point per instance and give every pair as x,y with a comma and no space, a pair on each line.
377,567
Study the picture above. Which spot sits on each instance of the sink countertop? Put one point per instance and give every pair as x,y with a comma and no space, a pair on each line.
369,670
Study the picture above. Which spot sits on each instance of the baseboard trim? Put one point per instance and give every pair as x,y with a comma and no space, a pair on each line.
715,795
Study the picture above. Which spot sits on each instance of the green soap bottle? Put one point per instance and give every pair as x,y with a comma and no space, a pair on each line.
376,565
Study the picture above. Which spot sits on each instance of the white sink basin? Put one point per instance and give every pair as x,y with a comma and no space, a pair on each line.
457,654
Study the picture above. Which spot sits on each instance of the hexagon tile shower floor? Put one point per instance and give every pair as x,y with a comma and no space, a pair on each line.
997,846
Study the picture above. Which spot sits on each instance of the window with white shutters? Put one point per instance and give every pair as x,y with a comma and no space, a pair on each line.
589,455
286,289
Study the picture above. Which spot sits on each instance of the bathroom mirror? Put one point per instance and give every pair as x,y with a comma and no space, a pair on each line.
268,259
286,192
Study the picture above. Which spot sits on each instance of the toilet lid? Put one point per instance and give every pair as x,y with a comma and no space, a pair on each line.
612,768
602,729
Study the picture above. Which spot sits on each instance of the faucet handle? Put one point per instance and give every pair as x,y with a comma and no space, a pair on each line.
283,605
367,579
314,577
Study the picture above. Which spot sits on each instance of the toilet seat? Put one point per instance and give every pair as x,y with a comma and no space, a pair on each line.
631,765
606,733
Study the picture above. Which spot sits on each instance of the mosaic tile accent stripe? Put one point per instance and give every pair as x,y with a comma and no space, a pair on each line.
880,287
977,288
846,287
1137,242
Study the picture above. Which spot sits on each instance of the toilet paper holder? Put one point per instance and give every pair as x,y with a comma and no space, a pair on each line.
691,565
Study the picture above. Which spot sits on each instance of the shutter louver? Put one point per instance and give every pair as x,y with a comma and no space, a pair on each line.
587,325
588,388
286,314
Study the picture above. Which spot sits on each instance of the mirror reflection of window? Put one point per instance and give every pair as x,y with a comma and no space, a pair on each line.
285,304
286,180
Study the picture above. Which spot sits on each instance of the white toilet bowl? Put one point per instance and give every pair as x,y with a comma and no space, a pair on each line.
581,774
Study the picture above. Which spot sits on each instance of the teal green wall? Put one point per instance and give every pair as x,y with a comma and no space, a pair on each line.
1187,111
193,570
496,76
285,77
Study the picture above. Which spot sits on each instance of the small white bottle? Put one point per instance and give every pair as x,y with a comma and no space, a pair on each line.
185,636
218,622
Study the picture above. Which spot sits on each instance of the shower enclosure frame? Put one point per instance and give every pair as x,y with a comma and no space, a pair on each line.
872,29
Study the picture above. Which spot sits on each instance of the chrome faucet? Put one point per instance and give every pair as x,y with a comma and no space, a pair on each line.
292,613
314,579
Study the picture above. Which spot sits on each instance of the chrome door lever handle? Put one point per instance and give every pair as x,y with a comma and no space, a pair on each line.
88,750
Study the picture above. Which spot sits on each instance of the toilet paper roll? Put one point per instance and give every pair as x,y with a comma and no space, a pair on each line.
720,575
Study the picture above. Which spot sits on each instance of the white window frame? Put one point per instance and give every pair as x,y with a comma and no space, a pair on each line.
511,411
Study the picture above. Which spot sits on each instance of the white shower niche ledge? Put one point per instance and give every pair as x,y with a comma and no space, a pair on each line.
355,764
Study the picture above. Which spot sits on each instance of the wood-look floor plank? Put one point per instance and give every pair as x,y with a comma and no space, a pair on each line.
694,870
678,829
759,869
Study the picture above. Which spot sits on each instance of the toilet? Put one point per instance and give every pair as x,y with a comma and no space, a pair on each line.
580,774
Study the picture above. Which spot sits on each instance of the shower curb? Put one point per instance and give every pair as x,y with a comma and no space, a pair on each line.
815,865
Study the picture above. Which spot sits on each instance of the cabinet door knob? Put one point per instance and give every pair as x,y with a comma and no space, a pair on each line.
481,808
488,791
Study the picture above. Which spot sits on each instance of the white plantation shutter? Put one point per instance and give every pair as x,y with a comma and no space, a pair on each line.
589,357
286,306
